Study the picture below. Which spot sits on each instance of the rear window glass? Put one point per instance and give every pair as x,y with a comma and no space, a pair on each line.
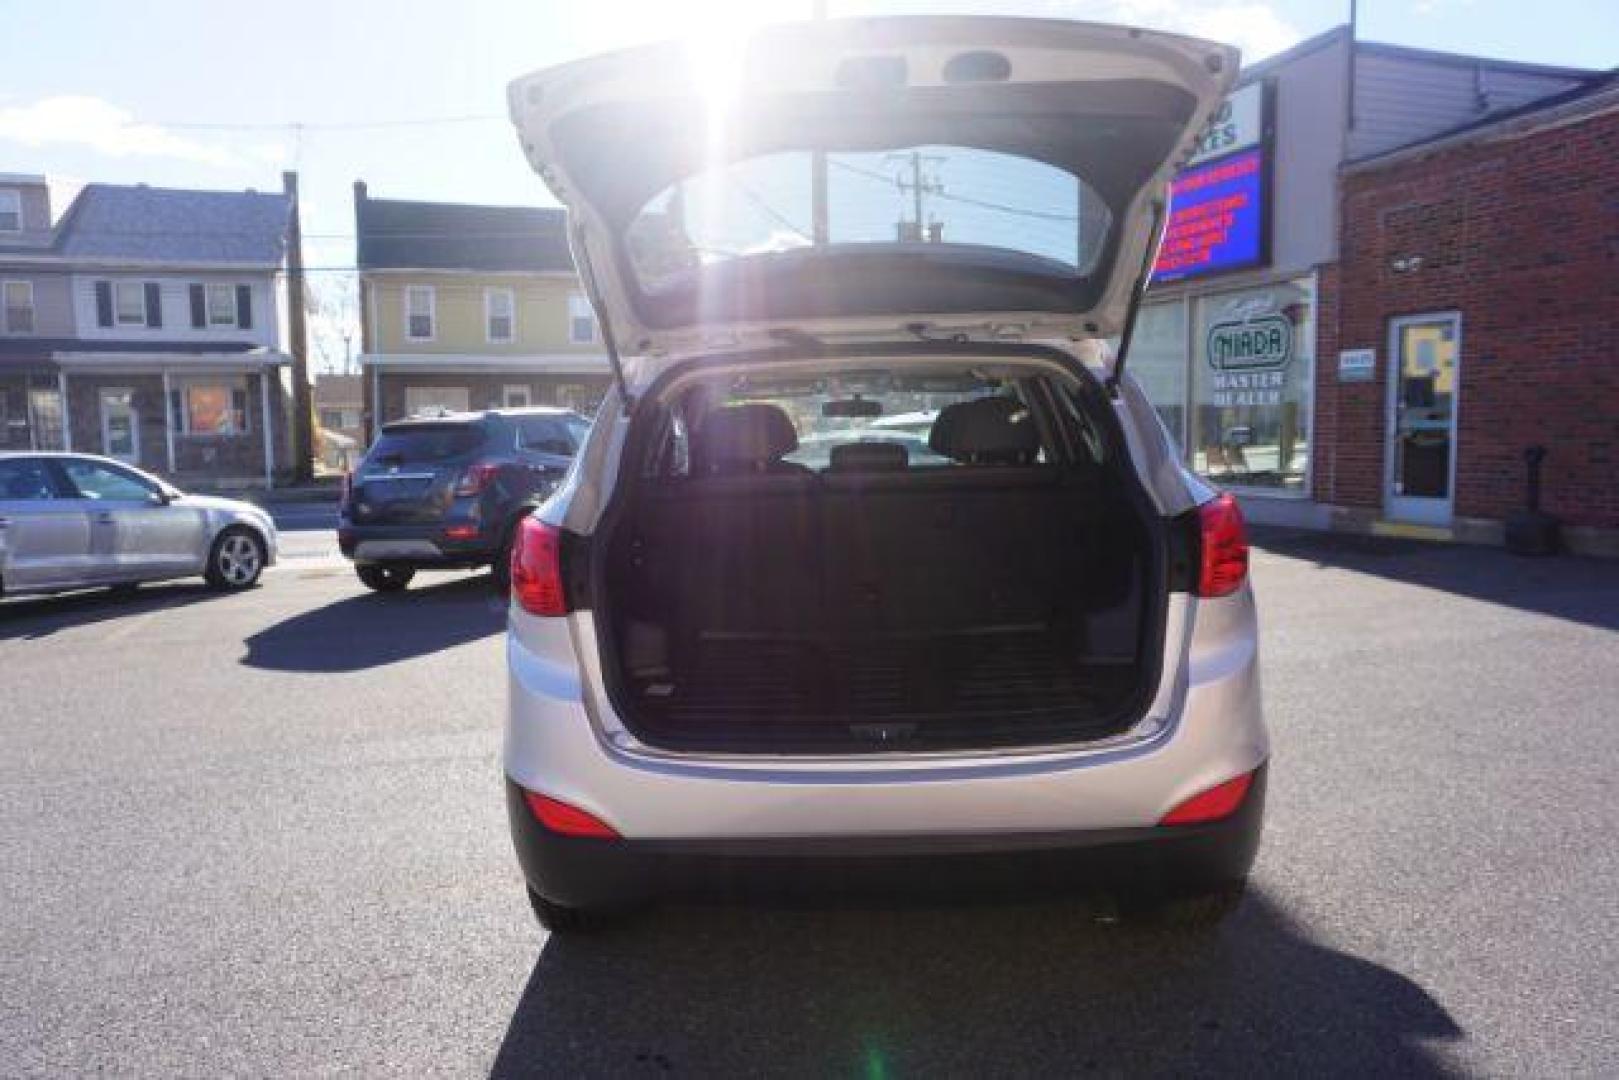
424,442
923,195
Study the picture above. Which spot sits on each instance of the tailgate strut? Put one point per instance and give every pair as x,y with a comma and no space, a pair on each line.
587,277
1137,292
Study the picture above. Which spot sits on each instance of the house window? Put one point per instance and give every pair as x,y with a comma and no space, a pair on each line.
419,320
10,211
516,397
19,303
221,305
433,400
500,314
581,320
129,303
210,408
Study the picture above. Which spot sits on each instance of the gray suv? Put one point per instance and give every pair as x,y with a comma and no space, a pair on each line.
446,491
877,564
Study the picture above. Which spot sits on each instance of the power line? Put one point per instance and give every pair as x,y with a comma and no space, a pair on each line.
986,204
326,125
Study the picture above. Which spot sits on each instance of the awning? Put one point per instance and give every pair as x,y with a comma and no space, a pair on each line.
485,363
238,360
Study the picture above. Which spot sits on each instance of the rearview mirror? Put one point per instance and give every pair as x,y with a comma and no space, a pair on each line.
852,407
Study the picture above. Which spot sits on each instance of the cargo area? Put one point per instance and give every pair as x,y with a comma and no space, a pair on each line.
958,585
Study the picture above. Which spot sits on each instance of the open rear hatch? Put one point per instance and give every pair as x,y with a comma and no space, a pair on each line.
883,179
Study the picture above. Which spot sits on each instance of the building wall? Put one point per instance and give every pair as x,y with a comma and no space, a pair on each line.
53,306
485,390
1521,236
84,413
1310,117
460,325
35,197
198,457
1403,98
174,289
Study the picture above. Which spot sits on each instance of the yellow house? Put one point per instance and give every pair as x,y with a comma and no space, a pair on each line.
471,307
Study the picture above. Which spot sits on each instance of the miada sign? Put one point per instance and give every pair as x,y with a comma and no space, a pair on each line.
1260,344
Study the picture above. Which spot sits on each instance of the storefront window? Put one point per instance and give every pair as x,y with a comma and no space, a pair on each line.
1253,360
1158,361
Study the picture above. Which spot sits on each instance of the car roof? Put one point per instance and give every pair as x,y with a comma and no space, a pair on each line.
472,418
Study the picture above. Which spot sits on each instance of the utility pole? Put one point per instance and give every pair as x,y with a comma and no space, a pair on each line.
919,187
820,231
303,439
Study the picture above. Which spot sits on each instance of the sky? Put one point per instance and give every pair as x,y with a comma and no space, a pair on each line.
185,93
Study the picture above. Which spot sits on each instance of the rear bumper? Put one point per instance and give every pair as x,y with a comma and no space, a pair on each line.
415,544
1154,860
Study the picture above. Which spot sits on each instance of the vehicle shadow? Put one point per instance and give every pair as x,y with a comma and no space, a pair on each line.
371,629
41,616
1026,990
1584,590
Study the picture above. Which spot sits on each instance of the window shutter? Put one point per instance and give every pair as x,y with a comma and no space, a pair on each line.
103,303
154,305
244,306
199,308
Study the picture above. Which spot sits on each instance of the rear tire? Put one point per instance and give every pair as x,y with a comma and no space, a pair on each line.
236,560
380,577
1201,912
564,920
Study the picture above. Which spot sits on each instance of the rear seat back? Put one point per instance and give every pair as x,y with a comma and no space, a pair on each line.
733,553
871,545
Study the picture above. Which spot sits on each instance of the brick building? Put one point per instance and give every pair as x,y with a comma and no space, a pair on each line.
1356,197
1478,289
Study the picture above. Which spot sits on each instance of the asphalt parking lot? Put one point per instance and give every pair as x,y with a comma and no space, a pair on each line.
264,833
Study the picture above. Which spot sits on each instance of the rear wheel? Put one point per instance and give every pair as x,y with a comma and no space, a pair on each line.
236,561
383,578
564,920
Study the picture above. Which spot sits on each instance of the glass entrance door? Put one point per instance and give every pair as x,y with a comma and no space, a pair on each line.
120,426
1425,363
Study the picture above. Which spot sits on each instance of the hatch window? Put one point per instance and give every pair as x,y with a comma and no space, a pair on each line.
921,196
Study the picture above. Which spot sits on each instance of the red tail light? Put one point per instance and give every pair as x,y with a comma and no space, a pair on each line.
1225,547
537,568
560,817
477,477
1220,801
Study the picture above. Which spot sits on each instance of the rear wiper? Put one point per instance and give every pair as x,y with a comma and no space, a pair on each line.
797,338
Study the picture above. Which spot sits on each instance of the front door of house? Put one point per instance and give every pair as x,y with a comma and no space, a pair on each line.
1424,380
120,426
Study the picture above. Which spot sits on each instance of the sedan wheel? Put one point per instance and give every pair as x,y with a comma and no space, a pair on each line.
237,560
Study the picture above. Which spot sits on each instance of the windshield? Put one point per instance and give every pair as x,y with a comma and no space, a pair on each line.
917,196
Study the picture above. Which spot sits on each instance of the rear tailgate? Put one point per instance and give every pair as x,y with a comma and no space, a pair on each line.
409,475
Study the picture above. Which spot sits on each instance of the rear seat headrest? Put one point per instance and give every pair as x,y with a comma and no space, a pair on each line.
752,435
870,457
986,431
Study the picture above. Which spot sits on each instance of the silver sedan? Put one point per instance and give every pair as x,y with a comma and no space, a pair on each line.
76,521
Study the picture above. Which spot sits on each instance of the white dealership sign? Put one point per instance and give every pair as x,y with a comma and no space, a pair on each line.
1237,124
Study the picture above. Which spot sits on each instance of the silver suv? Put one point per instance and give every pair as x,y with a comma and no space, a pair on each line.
876,566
